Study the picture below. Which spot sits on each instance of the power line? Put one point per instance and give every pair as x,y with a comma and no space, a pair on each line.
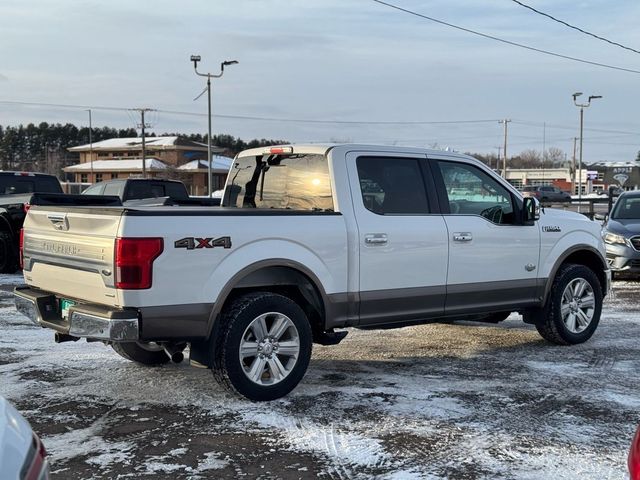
339,122
502,40
574,27
263,119
564,127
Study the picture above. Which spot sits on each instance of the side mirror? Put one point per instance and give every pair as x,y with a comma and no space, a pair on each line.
600,217
531,209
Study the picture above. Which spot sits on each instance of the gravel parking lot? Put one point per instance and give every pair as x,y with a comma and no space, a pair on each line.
464,401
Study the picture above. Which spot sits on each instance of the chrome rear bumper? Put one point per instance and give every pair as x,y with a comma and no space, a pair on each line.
88,321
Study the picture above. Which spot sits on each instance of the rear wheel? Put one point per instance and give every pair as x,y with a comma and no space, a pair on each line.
8,261
573,309
263,347
146,353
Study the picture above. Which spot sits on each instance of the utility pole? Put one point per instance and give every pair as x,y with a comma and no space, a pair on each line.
91,147
504,158
582,107
544,146
573,165
144,147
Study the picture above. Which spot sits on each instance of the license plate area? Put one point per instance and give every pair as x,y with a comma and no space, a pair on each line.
65,304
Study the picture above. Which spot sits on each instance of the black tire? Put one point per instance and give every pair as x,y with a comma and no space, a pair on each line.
549,322
234,324
8,261
135,352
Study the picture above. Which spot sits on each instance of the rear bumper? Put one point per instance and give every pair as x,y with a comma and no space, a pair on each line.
162,323
88,321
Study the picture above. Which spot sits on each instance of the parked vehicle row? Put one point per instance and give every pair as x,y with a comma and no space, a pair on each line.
310,238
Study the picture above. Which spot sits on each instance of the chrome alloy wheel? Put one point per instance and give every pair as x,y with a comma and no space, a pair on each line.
269,348
578,305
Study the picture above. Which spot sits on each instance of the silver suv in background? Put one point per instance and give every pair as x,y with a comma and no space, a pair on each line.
621,234
546,194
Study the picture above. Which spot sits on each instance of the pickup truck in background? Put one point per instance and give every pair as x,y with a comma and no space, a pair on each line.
311,238
16,189
148,191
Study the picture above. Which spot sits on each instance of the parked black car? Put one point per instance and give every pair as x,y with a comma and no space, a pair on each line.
148,191
16,189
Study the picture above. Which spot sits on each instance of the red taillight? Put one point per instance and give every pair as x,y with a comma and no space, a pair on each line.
26,207
281,150
21,255
634,457
38,468
134,261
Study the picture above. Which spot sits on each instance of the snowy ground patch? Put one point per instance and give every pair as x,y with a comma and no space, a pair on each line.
429,402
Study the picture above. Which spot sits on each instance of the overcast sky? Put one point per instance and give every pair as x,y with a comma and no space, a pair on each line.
347,60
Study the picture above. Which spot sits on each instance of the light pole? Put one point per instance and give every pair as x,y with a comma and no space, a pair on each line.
582,107
504,158
90,146
195,59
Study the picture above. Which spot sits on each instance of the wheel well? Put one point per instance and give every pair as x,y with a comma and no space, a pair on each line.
289,282
591,260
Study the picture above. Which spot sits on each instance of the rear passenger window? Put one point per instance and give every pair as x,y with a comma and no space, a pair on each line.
392,186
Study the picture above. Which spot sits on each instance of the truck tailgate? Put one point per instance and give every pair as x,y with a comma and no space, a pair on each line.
69,251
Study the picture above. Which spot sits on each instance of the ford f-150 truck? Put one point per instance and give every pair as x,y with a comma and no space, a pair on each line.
308,239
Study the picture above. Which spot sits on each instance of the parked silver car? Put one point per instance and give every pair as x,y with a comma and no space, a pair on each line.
621,234
22,454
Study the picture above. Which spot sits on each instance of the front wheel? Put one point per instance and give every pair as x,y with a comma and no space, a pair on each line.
574,306
263,346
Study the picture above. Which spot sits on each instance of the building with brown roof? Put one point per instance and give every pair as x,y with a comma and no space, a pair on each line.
166,157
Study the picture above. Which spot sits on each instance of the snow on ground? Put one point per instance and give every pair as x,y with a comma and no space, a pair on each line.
467,401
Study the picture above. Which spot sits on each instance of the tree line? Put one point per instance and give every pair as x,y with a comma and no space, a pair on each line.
43,147
550,158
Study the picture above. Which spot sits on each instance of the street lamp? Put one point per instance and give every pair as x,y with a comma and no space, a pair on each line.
582,107
195,59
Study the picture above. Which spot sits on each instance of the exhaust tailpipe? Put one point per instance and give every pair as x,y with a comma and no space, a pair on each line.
174,352
63,337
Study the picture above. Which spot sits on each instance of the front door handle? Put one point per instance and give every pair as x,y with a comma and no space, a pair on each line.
375,239
462,237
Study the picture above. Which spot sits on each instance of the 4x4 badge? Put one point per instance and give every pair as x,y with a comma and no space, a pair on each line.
191,243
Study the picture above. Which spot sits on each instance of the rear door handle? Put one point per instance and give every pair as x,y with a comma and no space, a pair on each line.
462,237
375,239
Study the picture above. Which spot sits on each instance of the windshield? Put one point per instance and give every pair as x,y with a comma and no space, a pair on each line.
626,208
296,182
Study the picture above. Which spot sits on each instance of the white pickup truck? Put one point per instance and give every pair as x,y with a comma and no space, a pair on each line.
310,238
